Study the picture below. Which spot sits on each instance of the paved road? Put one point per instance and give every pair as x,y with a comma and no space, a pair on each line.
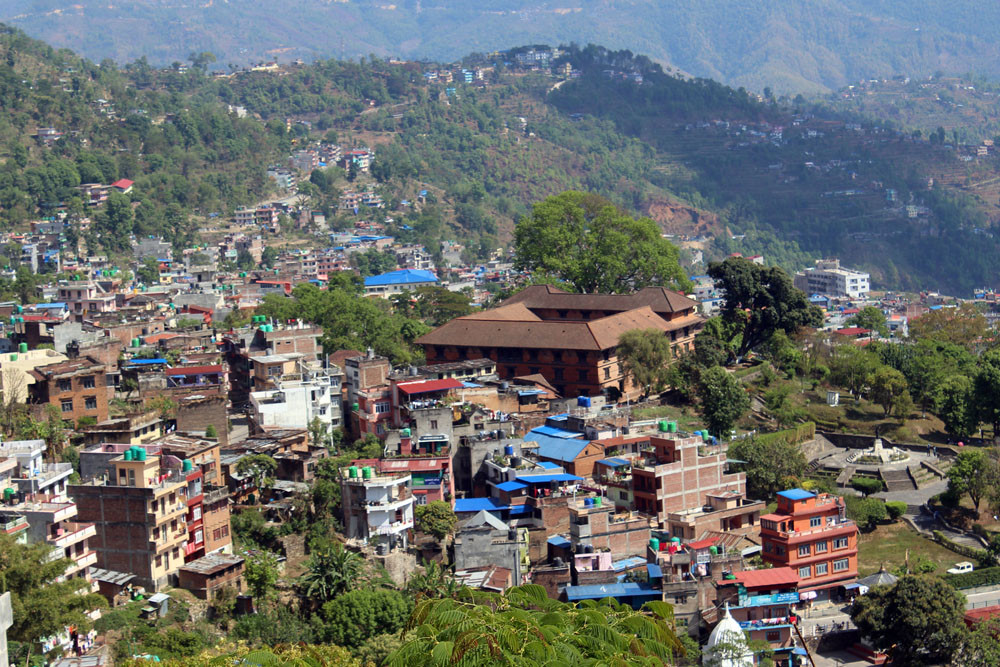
240,428
915,496
929,523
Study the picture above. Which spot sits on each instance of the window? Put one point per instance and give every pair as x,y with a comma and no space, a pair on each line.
778,549
773,636
196,514
840,565
434,424
65,385
821,547
67,406
88,382
225,531
381,407
607,373
805,572
840,543
90,402
821,569
680,599
159,561
768,547
804,550
816,522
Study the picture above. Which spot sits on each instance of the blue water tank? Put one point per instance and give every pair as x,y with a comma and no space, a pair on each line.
583,401
588,502
508,450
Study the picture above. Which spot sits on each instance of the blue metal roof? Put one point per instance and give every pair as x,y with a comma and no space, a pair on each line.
796,494
517,510
628,563
614,462
554,432
559,541
557,449
476,505
545,479
401,277
511,486
601,591
530,392
146,362
471,385
549,465
654,571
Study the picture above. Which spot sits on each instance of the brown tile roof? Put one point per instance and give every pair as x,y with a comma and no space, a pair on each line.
660,299
68,367
599,334
515,312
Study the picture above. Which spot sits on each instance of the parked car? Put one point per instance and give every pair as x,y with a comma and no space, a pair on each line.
961,568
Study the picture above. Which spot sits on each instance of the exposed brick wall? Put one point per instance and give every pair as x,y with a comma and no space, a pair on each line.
195,415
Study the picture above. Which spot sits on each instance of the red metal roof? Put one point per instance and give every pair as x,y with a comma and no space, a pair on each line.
122,183
852,331
701,544
777,577
194,370
425,386
974,616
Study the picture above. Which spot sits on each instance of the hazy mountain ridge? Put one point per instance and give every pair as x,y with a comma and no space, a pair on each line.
792,47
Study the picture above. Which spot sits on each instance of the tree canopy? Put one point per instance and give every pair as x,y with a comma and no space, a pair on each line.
723,400
645,355
760,301
586,241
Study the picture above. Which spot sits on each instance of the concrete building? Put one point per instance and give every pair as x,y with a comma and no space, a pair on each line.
378,508
397,282
812,535
309,392
762,602
723,511
15,372
827,278
140,514
31,475
76,387
570,340
483,540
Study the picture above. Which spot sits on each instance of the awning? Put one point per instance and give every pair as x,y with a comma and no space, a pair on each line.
654,571
545,479
850,587
798,650
511,486
429,386
559,541
613,462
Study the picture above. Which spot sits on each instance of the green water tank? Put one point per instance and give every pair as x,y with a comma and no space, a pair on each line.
13,357
20,309
128,454
406,432
714,550
8,493
672,427
597,501
22,347
654,544
352,472
140,454
355,407
186,465
664,426
366,472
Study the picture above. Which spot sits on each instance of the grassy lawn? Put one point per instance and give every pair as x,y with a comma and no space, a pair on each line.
890,543
687,419
864,417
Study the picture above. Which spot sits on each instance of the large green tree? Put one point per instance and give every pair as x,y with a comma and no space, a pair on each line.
42,605
917,621
974,473
260,468
524,627
986,387
586,241
769,463
356,616
723,400
330,573
760,301
958,409
888,386
436,518
872,318
645,355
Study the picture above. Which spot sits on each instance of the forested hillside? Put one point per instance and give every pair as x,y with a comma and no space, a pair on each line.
714,166
805,46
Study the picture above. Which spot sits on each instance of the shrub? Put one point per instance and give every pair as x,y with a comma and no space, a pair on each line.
950,498
867,485
980,555
978,529
896,508
987,576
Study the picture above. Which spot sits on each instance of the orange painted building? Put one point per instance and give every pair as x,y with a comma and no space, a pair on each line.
811,534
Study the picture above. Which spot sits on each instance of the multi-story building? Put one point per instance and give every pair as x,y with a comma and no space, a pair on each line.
86,297
264,340
378,507
31,475
829,279
762,602
140,513
369,395
77,387
295,403
569,339
811,534
723,512
677,472
15,372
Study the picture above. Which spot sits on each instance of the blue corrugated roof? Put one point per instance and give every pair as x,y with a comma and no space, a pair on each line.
477,504
145,362
554,432
401,277
654,571
557,449
511,486
627,563
796,494
614,462
530,392
559,541
549,465
471,385
517,510
601,591
545,479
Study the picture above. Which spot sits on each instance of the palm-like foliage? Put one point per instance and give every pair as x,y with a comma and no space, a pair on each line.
525,627
436,581
330,573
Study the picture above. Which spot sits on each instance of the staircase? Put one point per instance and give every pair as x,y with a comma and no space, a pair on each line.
898,480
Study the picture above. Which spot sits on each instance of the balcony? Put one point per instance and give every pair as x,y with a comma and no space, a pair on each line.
13,524
845,526
391,528
70,533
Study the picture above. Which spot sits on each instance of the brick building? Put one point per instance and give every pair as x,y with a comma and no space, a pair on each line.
599,526
811,534
569,339
207,575
76,387
369,396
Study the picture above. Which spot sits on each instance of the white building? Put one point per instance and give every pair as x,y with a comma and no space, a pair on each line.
298,399
829,279
378,507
